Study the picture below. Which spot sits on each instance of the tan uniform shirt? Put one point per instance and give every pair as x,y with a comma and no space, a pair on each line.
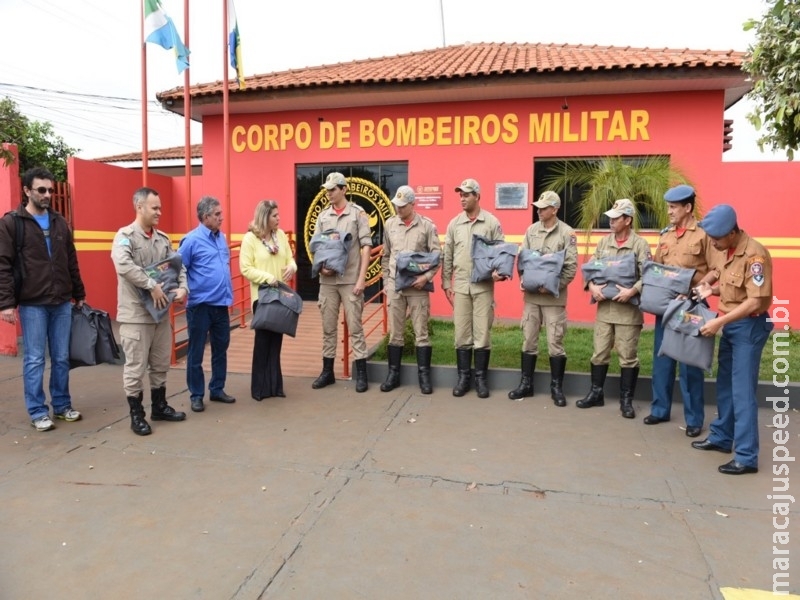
623,313
457,255
547,241
352,220
419,236
747,274
131,252
690,250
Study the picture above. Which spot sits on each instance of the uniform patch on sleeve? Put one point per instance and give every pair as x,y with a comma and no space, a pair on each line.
124,242
757,270
573,240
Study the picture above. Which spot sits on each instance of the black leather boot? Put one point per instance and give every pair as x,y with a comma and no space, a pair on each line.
326,377
139,425
525,387
482,371
393,376
424,368
558,365
160,410
595,396
463,364
627,388
361,375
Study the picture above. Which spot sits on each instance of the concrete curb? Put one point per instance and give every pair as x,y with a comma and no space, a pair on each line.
502,380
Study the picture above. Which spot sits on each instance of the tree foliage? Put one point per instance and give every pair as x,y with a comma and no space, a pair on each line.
605,180
36,141
774,64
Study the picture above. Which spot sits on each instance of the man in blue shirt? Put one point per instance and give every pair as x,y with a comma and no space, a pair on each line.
206,256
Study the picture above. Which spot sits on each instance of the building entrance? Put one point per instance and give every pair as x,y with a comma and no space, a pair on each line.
369,186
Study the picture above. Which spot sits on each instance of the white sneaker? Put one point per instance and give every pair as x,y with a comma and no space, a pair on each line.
43,423
69,415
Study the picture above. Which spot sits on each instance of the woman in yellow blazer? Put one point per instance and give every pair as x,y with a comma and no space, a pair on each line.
266,258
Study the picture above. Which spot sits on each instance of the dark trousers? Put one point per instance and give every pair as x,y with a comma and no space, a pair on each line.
266,379
736,424
690,379
203,321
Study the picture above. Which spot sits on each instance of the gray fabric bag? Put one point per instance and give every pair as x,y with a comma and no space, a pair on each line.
662,283
613,271
165,272
682,340
411,265
330,250
492,255
539,270
278,309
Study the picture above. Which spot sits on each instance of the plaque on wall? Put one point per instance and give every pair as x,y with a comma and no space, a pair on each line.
511,195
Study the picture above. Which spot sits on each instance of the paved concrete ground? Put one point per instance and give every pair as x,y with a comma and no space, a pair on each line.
333,494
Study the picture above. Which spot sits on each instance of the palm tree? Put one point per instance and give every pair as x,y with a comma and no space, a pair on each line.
610,178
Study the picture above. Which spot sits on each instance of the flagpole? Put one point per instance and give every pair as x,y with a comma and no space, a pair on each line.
226,155
187,121
144,97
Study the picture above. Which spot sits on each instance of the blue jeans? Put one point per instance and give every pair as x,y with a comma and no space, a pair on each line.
737,380
212,321
46,325
691,381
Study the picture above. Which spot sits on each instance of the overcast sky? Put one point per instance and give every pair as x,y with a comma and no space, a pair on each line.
77,64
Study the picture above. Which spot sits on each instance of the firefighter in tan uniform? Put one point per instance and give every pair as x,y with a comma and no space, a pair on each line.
742,268
147,344
347,289
681,244
473,303
546,236
618,323
408,231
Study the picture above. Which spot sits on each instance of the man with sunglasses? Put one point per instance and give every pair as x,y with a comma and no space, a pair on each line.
51,280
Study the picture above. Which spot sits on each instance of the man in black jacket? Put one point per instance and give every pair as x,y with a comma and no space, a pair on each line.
52,279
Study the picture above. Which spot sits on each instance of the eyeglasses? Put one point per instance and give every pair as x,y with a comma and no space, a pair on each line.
44,190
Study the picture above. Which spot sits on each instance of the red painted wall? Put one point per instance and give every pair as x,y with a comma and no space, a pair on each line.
10,197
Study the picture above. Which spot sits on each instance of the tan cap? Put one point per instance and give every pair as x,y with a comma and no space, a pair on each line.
333,180
548,198
405,195
621,207
469,186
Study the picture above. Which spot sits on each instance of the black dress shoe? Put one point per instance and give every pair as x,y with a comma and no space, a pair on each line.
223,397
652,420
693,431
706,445
197,405
736,468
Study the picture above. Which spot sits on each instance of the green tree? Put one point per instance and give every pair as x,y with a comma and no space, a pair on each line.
774,64
611,178
36,141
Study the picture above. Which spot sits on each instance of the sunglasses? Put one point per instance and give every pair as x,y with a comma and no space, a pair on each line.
44,190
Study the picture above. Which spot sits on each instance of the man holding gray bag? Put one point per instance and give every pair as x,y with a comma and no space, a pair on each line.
547,236
682,244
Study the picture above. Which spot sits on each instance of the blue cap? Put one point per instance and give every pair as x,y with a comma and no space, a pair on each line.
680,193
719,221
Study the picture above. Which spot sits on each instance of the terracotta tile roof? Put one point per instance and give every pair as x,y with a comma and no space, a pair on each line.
176,152
477,61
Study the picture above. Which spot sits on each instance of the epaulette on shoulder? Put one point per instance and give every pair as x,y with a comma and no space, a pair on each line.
127,230
665,230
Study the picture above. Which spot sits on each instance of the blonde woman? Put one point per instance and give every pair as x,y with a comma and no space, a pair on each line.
266,259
